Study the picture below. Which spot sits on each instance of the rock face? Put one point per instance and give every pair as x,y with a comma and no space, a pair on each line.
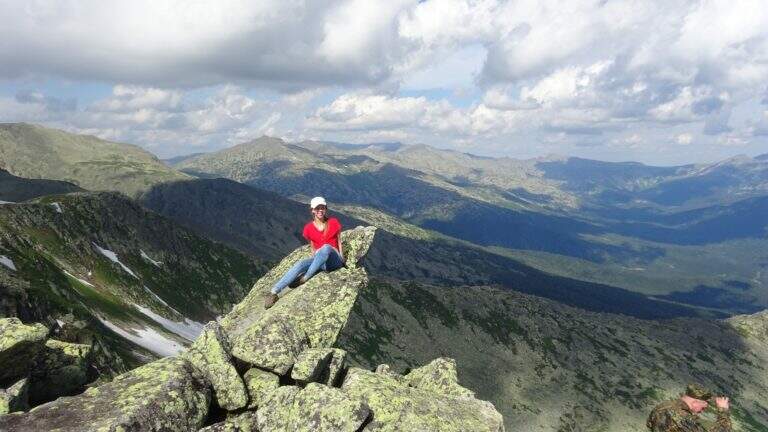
316,408
292,379
166,395
312,316
311,364
14,398
210,354
19,346
439,376
398,407
61,369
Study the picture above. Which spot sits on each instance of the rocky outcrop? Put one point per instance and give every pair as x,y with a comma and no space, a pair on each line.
316,408
398,407
61,369
210,354
166,395
439,376
14,398
293,374
259,384
19,346
311,364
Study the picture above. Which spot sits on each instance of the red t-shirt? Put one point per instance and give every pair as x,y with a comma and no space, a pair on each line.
319,238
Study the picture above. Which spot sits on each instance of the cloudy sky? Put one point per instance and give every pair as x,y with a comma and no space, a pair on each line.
662,82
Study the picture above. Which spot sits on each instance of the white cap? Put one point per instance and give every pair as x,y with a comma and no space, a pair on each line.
316,201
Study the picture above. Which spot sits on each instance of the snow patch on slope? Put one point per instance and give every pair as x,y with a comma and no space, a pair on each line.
187,329
4,260
57,207
113,257
160,300
6,202
146,257
82,281
147,338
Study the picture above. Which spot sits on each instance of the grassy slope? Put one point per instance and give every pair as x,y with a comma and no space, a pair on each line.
196,279
91,163
550,367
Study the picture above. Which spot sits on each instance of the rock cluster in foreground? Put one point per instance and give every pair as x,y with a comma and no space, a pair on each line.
274,370
36,369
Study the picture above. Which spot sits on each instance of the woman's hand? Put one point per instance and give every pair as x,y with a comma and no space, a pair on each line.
722,403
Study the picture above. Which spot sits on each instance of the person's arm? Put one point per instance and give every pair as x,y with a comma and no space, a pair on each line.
341,249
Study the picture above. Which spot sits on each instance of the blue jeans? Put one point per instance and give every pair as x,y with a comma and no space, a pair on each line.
326,258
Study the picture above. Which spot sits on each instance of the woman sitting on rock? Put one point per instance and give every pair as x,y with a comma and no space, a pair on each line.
322,233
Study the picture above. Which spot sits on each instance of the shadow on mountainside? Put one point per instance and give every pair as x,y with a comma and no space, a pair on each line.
255,221
400,191
265,224
441,263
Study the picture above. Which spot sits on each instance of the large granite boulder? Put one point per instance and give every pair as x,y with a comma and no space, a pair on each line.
439,376
19,346
399,407
332,374
260,384
308,317
242,422
61,369
210,354
167,395
14,398
311,364
315,408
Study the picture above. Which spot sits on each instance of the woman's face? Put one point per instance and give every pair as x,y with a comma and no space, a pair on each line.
319,211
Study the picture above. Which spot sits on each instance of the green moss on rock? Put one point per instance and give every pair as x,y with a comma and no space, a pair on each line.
14,398
335,368
61,369
259,384
19,345
398,407
167,395
316,408
210,354
439,376
311,364
310,316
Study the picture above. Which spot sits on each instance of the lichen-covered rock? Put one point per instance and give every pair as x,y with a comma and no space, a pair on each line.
356,243
311,364
14,398
61,369
385,369
259,384
19,345
316,408
210,354
242,422
335,367
167,395
439,376
274,344
274,414
398,407
319,308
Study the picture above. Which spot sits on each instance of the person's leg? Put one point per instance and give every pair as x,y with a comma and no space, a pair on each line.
300,267
318,262
334,261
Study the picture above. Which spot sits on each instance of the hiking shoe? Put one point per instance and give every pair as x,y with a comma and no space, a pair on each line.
298,281
270,300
